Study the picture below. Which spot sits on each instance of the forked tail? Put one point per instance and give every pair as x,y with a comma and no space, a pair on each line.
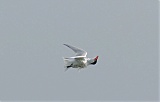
67,63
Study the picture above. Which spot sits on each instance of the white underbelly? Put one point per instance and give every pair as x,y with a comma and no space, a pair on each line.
79,64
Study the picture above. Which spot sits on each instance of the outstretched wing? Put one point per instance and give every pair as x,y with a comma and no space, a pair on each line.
78,51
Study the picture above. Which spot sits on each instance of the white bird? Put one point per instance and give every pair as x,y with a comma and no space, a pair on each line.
80,60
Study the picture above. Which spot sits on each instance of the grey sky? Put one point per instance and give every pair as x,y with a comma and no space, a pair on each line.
124,33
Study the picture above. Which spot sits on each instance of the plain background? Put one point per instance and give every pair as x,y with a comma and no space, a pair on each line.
124,33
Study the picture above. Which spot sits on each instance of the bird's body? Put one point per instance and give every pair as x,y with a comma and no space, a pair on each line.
76,62
80,60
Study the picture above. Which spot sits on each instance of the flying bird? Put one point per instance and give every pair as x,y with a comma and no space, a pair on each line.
80,60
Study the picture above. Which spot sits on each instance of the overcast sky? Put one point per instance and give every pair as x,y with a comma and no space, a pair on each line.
123,33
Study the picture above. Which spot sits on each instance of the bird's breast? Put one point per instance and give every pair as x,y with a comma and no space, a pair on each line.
79,64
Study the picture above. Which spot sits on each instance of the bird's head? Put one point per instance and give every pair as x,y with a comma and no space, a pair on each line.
94,60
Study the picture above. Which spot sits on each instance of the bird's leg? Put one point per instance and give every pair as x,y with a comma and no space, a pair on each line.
68,67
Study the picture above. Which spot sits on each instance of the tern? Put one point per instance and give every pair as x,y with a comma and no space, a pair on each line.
80,60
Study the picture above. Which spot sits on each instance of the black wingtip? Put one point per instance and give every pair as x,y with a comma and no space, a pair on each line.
66,45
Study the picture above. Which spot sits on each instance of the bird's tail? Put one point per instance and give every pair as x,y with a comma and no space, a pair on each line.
67,63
